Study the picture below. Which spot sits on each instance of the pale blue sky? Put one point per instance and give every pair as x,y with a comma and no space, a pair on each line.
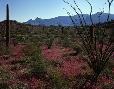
23,10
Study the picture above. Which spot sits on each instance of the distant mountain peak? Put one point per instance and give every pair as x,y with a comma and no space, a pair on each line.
98,12
37,18
66,21
30,20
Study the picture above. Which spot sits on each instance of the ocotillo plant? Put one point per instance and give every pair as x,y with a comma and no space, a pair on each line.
7,27
96,42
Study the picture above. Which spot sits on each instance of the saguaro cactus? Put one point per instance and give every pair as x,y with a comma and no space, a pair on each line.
7,27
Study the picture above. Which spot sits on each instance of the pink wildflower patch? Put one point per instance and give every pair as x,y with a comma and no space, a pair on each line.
34,83
71,64
53,53
17,51
71,67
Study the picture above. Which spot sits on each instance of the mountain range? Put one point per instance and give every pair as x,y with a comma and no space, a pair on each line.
66,20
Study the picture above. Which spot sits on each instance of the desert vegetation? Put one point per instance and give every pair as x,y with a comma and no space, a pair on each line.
57,57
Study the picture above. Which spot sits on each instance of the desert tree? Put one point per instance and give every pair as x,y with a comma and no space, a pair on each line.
97,44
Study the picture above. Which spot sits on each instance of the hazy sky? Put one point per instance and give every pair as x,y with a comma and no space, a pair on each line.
23,10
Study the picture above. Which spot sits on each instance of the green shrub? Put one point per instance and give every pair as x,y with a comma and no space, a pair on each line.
18,62
57,79
107,86
4,75
38,69
50,41
38,66
4,86
55,63
20,86
3,49
66,42
30,49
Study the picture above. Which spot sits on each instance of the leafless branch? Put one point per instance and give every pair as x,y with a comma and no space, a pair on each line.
70,17
80,12
109,6
90,11
75,11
